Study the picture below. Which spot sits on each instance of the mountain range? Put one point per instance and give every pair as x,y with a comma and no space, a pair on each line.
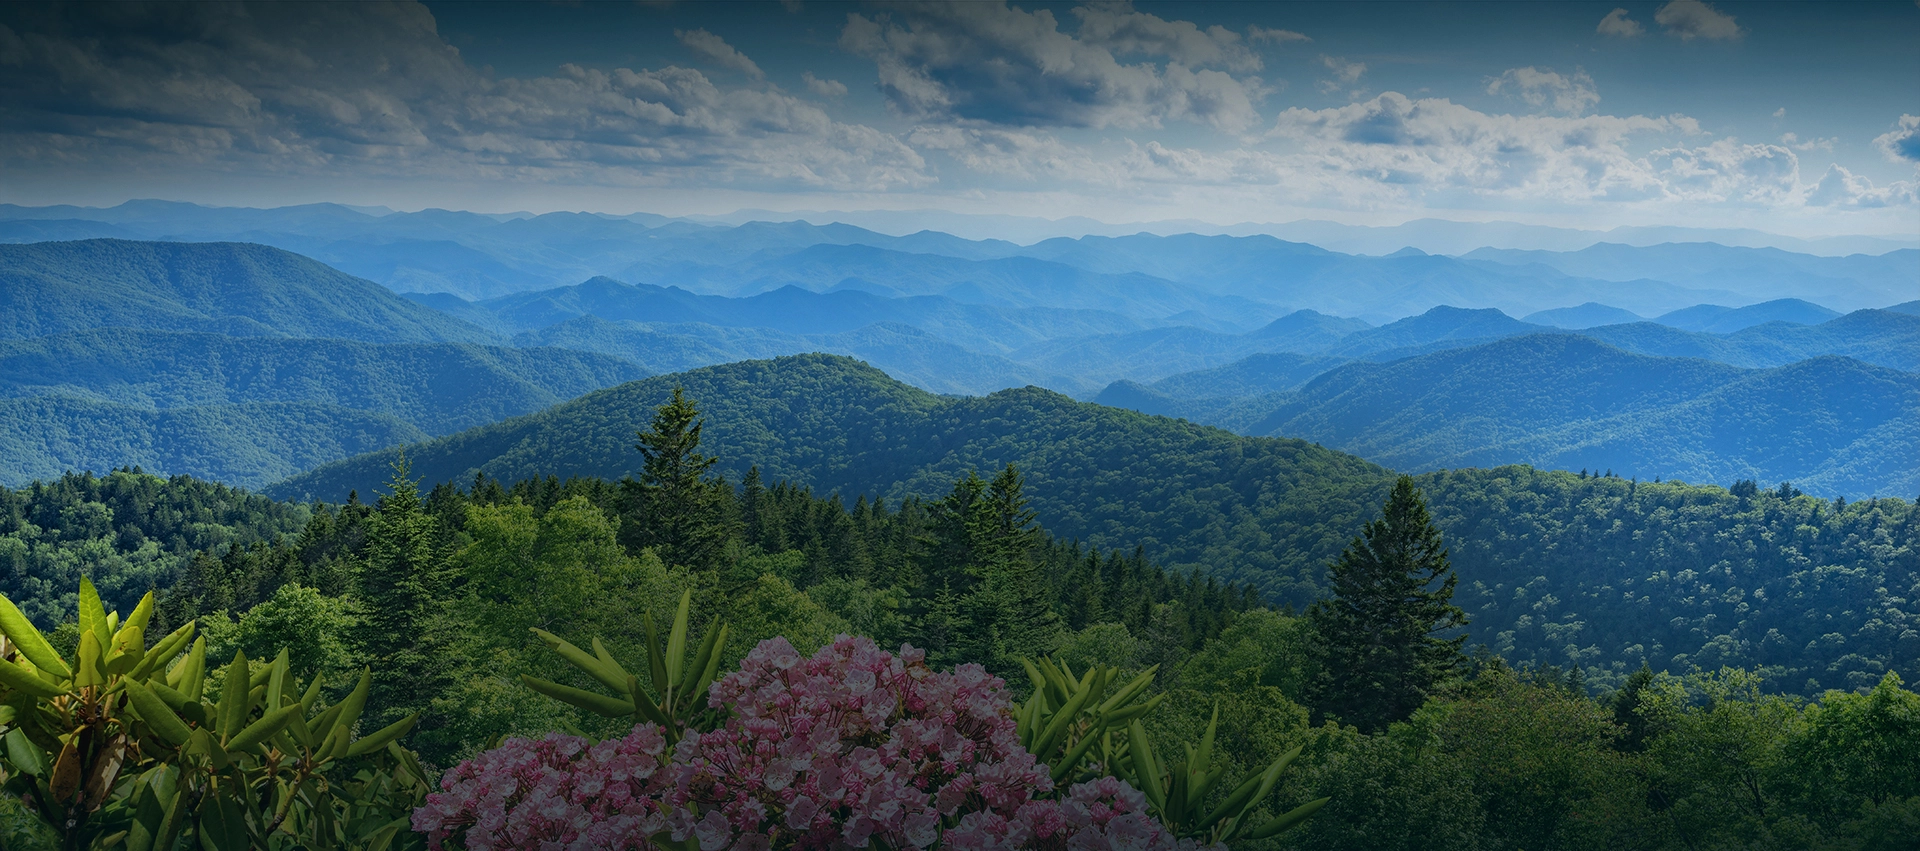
135,330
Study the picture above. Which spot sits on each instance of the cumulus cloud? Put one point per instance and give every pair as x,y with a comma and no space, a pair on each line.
1902,143
1124,32
1691,19
824,88
372,90
1543,87
994,63
1842,188
1616,23
717,49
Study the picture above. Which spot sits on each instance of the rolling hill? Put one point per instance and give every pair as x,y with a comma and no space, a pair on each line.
1555,568
435,387
1832,425
247,445
230,288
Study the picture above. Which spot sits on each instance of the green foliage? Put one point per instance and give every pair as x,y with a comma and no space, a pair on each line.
121,744
404,633
678,685
1189,792
676,507
1380,656
1077,725
128,531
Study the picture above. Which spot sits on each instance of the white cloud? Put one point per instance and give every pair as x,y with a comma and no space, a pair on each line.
1543,87
1691,19
717,49
1841,188
1782,111
372,91
1119,29
824,88
1793,140
1255,32
1726,170
1902,143
1344,74
990,62
1617,23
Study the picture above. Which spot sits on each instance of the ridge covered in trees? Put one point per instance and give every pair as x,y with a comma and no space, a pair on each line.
437,592
1547,559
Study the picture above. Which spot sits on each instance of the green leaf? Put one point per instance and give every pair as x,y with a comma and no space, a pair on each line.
31,643
25,755
158,715
1145,767
234,705
90,667
1288,820
163,651
22,680
582,660
612,707
93,616
383,736
263,729
677,640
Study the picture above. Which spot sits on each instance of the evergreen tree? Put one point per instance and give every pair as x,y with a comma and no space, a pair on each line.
404,635
677,507
1380,655
1011,605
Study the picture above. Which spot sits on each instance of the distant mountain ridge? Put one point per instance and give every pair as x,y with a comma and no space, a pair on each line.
1830,424
232,288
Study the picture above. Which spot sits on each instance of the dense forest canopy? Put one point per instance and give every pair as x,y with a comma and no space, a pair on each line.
436,591
1546,558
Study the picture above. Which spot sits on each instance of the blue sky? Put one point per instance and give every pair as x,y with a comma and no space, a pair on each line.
1796,118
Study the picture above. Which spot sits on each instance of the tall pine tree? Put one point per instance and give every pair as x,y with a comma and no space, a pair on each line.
1381,653
404,634
677,507
1011,606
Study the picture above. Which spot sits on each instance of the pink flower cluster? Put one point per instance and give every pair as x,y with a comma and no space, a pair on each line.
852,748
1099,815
851,745
555,793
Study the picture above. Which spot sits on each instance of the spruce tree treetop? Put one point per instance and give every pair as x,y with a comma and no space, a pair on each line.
1381,649
677,507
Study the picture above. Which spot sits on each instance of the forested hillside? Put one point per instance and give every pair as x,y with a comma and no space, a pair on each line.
228,288
1272,513
1825,423
436,387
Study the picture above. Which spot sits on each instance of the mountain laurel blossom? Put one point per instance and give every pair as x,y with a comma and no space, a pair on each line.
853,747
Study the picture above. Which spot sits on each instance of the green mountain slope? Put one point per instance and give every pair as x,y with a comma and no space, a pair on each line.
1561,400
229,288
1555,568
435,387
245,445
1112,477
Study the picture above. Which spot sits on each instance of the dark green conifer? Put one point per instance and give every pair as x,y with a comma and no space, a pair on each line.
1381,653
677,507
404,634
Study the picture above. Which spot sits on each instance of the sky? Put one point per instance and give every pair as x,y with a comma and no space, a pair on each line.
1801,119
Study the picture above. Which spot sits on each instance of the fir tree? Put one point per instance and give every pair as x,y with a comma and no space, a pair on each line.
1011,603
677,507
1381,656
404,634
